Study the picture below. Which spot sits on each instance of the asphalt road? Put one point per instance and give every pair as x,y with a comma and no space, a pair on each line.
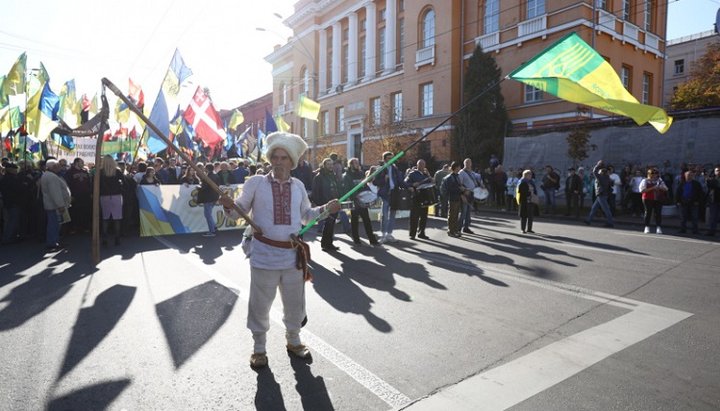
571,318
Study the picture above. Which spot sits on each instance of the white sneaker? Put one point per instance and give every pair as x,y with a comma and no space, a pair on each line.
390,239
647,229
659,230
382,239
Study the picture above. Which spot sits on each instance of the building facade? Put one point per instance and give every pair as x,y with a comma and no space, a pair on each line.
682,54
387,72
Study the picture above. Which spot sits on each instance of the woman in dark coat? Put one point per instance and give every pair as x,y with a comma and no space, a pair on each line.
526,208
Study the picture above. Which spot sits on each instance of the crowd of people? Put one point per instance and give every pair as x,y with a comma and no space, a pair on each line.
455,190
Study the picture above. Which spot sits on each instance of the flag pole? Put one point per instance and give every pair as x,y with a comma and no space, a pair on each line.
95,241
397,156
186,159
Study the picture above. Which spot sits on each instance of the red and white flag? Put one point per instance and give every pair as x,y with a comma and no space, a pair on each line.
205,119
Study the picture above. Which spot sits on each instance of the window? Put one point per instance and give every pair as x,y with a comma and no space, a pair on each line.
627,10
532,94
324,123
381,15
397,107
363,25
535,8
492,16
375,111
626,77
361,64
381,49
401,41
304,75
345,59
401,5
283,94
428,28
340,119
680,66
601,4
648,15
426,99
647,88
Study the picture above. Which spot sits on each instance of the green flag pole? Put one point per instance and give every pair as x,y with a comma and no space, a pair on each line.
397,156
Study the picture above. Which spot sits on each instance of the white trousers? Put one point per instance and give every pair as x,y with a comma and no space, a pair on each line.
263,287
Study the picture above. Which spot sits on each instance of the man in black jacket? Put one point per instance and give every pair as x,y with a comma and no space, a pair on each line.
573,190
603,187
325,188
713,200
688,196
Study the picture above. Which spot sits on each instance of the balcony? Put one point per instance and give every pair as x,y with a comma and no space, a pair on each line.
488,41
535,25
630,31
425,56
606,20
652,41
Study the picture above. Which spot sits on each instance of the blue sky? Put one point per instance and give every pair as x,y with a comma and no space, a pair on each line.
86,40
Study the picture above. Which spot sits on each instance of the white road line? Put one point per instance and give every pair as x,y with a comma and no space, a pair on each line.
509,384
360,374
667,237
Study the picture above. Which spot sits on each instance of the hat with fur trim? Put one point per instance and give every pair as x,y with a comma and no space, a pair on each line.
293,144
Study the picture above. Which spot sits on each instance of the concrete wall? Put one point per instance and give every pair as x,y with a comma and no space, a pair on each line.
694,140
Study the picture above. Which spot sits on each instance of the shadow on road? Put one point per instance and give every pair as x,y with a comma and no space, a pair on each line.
95,323
312,389
192,317
269,394
94,397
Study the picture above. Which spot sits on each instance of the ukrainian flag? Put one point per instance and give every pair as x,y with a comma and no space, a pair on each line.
572,70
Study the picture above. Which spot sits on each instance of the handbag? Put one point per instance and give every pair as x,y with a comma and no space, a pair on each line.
534,198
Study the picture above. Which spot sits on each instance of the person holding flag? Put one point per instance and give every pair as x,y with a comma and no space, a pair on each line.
279,205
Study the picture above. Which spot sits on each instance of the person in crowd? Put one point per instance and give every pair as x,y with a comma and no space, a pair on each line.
79,181
56,201
169,174
111,198
140,173
11,192
468,181
325,187
130,209
713,200
511,188
149,178
587,187
279,205
634,201
603,187
239,171
304,173
498,183
208,197
626,176
688,196
418,212
190,177
452,189
652,191
388,180
352,177
226,176
615,193
441,208
573,190
526,189
550,185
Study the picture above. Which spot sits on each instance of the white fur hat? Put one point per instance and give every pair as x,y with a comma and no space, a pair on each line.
293,144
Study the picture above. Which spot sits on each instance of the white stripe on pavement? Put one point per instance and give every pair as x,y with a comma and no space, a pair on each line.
360,374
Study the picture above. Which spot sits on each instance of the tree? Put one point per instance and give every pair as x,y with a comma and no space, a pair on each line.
579,144
480,129
703,87
392,132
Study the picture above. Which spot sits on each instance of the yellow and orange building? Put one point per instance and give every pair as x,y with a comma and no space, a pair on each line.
387,71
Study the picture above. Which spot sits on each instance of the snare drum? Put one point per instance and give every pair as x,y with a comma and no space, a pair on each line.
480,193
366,199
400,199
425,196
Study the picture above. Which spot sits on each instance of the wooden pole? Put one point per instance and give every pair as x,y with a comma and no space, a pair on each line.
200,172
104,113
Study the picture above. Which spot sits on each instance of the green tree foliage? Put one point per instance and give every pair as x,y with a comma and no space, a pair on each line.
578,142
480,128
703,87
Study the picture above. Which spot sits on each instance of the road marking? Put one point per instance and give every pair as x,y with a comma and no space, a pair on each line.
360,374
509,384
668,237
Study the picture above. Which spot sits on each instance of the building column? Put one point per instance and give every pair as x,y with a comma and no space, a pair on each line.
390,36
322,57
371,22
352,48
336,54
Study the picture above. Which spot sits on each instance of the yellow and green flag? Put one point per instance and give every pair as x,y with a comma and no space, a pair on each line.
282,125
308,109
572,70
15,81
236,119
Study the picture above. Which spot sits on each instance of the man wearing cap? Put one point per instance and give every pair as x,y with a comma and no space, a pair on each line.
279,205
603,187
573,191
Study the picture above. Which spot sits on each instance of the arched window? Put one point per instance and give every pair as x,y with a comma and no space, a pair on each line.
492,16
283,94
427,25
305,76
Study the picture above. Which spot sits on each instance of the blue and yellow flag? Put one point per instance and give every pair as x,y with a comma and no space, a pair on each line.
572,70
14,82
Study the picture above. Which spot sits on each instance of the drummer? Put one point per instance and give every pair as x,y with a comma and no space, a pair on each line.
418,177
352,177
